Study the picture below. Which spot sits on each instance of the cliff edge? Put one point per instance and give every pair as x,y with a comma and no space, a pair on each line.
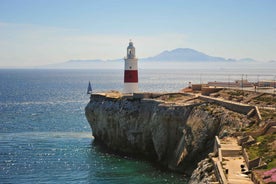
174,130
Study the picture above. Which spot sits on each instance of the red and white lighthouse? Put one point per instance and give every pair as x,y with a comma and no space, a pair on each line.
131,70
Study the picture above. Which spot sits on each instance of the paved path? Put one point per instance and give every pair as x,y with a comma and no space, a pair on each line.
232,160
234,170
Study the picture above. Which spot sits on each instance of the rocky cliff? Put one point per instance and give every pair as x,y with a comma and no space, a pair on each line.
175,135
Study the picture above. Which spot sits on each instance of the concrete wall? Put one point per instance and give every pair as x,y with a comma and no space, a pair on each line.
246,141
220,155
246,157
254,163
198,87
258,113
209,90
251,163
155,95
230,153
219,172
263,130
249,142
242,140
223,84
216,145
237,107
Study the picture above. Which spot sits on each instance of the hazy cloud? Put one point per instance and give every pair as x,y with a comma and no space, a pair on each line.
32,45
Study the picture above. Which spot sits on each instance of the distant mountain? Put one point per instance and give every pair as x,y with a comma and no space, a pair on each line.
84,61
84,64
184,54
176,55
247,60
180,54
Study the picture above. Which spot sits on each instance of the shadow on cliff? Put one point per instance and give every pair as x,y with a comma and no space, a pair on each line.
172,136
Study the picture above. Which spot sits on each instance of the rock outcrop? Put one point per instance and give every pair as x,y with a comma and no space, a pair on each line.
177,136
204,173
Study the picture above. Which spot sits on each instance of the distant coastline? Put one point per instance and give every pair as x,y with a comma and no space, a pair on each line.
173,59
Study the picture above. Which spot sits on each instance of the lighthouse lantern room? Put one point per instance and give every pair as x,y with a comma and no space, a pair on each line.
131,70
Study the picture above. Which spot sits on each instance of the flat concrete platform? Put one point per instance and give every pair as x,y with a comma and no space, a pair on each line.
232,160
233,164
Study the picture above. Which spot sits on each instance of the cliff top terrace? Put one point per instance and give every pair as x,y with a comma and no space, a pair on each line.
172,98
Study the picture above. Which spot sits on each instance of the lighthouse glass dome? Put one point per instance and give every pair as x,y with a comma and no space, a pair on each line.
130,50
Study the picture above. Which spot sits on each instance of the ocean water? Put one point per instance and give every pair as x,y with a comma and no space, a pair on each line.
44,135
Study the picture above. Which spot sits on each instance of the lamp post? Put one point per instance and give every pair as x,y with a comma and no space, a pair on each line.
228,81
274,89
242,82
274,85
258,84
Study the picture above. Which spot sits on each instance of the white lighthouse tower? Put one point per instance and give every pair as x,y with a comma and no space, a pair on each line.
131,70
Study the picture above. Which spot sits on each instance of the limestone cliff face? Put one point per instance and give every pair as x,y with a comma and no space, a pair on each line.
177,136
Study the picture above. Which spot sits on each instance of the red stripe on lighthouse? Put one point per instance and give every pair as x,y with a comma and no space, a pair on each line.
131,76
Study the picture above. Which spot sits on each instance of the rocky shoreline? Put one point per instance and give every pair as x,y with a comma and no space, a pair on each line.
174,130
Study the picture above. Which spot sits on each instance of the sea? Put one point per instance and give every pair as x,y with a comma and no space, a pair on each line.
45,137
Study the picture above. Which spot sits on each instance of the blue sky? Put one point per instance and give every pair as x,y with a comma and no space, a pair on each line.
38,32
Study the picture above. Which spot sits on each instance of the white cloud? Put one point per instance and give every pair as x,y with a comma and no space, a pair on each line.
31,45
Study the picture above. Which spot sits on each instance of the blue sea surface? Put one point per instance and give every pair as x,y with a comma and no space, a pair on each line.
45,137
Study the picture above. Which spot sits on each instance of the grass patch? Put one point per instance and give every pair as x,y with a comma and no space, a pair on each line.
237,93
272,164
253,152
268,114
264,149
267,98
172,97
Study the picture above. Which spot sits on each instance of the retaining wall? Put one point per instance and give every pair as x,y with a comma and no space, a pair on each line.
216,145
219,172
230,152
237,107
263,130
251,163
208,90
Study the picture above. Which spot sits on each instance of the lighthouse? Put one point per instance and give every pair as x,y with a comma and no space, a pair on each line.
131,70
